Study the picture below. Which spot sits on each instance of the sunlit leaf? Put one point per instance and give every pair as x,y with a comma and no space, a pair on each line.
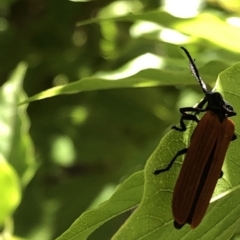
15,142
201,26
10,189
177,75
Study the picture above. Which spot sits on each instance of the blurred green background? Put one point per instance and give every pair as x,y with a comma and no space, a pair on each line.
89,142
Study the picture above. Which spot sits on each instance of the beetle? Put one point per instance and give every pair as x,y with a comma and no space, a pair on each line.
205,154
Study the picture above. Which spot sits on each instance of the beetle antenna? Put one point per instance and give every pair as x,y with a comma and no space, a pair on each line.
194,70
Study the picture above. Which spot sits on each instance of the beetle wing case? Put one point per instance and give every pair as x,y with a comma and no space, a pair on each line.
201,169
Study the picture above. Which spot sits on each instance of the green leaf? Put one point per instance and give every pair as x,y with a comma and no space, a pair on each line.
10,190
15,142
169,76
153,218
201,26
16,153
127,196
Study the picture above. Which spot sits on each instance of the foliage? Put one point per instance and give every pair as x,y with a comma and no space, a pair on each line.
105,80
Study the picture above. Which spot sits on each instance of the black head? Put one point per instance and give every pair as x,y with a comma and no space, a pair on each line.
217,104
215,101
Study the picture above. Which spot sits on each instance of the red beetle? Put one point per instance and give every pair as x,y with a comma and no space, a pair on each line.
204,158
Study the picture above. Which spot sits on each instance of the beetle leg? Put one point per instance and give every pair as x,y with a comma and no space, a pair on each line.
234,137
197,110
186,116
202,102
182,124
179,153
